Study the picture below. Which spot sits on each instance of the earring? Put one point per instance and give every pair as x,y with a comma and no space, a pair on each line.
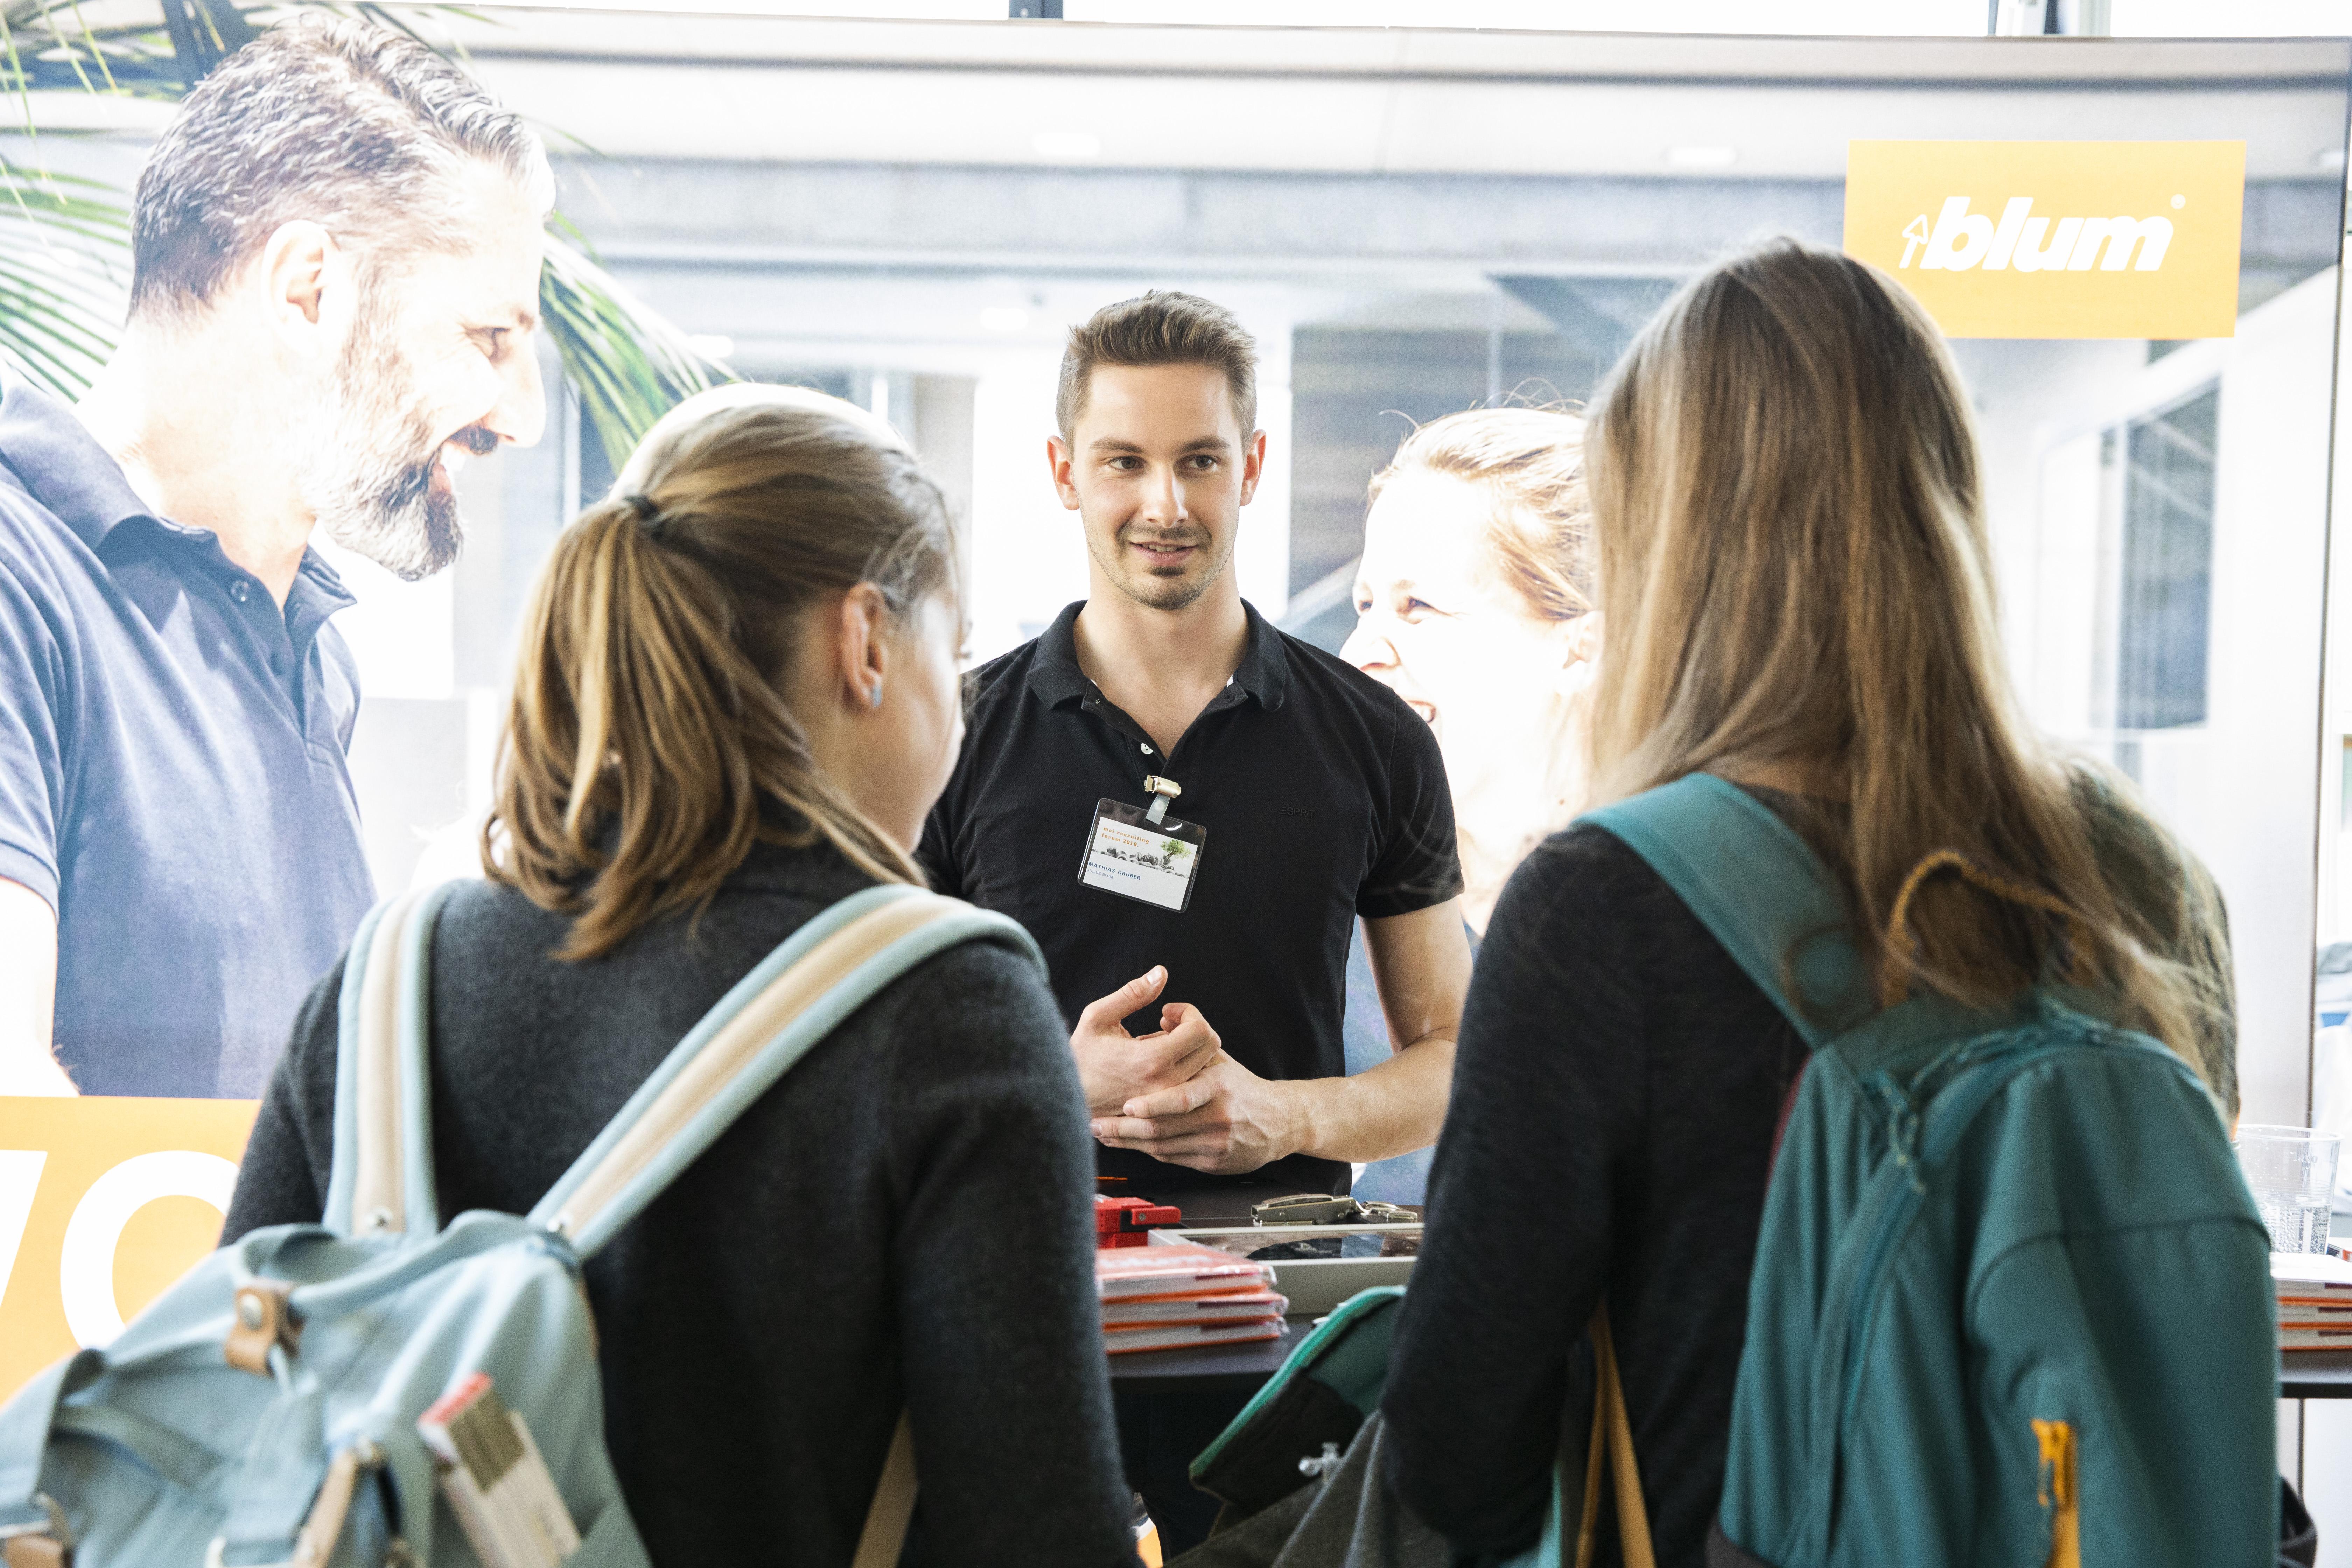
874,698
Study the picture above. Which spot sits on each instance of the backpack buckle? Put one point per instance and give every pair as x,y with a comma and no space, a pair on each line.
48,1544
263,1320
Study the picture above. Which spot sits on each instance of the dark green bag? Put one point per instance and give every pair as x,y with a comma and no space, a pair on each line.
2011,1301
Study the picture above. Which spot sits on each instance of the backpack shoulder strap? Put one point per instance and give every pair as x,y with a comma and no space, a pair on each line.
382,1174
769,1021
1758,889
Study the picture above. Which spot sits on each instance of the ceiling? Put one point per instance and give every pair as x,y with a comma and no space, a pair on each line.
668,84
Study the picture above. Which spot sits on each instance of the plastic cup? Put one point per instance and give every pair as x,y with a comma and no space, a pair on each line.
2292,1170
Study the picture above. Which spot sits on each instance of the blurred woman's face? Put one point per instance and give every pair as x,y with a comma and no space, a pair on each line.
1440,625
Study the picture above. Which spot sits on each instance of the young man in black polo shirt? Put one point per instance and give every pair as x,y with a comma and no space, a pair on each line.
1307,797
1295,796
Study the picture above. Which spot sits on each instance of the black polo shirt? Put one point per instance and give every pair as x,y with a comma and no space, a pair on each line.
173,775
1324,799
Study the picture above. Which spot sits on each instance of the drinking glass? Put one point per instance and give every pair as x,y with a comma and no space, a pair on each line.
2293,1172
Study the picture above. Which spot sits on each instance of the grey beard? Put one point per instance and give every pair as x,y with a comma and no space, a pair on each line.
370,482
382,507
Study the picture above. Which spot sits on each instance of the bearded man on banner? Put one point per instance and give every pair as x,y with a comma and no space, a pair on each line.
336,250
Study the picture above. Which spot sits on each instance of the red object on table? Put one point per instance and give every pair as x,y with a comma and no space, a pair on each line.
1122,1222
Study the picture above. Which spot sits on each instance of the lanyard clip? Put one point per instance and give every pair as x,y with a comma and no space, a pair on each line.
1163,790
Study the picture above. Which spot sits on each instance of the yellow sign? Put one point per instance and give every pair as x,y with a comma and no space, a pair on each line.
2055,239
103,1202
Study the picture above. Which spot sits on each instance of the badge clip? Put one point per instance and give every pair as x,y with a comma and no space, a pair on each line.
1163,790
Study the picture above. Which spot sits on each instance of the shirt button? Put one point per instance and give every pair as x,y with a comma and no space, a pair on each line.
1147,751
240,590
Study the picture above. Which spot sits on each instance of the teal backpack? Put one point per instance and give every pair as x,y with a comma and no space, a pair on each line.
264,1409
2011,1300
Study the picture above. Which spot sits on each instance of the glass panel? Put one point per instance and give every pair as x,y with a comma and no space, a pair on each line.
2167,596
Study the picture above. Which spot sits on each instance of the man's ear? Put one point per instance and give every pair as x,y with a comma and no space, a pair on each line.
1059,457
306,277
1252,464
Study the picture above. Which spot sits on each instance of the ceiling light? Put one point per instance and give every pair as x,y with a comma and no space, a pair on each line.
1004,320
1701,157
1075,145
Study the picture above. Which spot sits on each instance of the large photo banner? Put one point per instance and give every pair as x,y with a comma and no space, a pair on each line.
104,1201
1434,236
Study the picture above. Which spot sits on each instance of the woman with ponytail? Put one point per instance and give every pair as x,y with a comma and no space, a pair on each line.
1797,594
737,698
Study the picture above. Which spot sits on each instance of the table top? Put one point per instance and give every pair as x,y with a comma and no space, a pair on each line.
1241,1368
2315,1375
2303,1374
1234,1369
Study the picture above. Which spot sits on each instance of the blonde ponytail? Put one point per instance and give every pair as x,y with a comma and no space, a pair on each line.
650,746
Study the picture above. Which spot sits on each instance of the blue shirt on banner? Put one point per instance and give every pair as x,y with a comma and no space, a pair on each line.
174,776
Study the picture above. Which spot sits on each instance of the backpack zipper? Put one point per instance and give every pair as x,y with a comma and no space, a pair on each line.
1917,1143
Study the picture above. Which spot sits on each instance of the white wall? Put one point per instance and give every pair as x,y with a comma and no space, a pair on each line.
2242,788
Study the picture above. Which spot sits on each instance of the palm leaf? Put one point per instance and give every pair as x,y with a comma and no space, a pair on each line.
628,365
58,297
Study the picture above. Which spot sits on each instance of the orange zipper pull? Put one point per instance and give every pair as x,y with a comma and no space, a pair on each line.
2058,1492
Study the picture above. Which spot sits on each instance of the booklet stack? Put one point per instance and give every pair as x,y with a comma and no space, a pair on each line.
2314,1300
1163,1298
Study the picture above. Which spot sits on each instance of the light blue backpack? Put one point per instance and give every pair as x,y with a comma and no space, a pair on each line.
2011,1301
264,1409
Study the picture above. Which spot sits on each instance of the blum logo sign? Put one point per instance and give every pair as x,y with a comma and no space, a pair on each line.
2055,239
1962,239
103,1202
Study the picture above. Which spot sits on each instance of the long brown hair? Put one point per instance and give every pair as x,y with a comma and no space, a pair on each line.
1531,463
649,745
1798,579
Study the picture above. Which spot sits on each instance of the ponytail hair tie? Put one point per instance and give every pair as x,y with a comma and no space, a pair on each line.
642,506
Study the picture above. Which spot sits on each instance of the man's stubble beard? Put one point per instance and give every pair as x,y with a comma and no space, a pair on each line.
369,476
1169,594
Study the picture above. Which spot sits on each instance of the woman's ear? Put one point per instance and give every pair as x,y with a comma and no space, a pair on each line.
1580,652
863,649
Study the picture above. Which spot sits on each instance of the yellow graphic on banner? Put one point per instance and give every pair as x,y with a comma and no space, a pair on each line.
2055,239
103,1202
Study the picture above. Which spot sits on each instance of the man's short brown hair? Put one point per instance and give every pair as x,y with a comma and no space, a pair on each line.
341,122
1160,327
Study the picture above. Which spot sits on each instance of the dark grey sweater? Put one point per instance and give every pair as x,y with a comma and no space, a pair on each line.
903,1220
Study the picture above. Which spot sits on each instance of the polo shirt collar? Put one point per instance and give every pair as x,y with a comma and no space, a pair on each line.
55,457
1054,677
61,465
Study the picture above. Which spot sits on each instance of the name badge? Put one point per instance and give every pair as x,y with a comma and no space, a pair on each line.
1132,856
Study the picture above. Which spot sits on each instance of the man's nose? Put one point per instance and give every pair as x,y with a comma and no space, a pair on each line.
1163,498
519,416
